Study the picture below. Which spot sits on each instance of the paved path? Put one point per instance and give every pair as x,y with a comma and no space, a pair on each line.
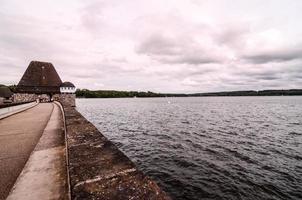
45,174
19,135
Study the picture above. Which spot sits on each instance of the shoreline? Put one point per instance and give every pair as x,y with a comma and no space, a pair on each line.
185,97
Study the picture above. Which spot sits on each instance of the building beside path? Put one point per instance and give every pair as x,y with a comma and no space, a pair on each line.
41,81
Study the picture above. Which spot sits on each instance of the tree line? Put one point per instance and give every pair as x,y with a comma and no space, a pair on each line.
85,93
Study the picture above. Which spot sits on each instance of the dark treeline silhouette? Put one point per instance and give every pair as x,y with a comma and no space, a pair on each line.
120,94
84,93
13,88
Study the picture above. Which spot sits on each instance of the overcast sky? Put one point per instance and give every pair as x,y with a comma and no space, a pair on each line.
156,45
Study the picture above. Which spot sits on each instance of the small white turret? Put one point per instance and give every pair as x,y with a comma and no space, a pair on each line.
67,87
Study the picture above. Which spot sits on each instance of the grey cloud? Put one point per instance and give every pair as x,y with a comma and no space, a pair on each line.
33,39
92,15
179,50
270,76
265,74
232,35
185,72
283,55
158,45
193,58
194,44
150,45
251,82
102,70
297,76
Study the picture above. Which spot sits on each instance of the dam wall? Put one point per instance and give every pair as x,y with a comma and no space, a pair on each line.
97,169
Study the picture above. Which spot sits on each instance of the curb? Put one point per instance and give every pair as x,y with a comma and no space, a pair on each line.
66,148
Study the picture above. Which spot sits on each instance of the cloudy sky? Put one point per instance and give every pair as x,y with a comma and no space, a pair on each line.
158,45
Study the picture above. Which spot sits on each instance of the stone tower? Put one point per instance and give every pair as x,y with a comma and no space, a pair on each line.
41,81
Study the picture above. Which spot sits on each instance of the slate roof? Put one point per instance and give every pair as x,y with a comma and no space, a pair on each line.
5,92
40,77
67,84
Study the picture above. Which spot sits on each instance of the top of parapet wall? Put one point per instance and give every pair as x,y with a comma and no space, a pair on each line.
99,170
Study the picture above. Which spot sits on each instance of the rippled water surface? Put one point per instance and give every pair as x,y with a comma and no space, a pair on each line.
209,147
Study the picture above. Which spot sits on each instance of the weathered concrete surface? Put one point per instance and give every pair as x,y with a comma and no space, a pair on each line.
98,170
45,174
19,135
66,99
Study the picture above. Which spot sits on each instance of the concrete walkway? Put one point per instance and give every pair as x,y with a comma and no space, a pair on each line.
40,160
19,135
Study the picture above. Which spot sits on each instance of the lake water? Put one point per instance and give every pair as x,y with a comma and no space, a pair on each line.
209,147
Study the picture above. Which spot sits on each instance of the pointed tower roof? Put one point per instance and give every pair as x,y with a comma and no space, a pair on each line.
40,77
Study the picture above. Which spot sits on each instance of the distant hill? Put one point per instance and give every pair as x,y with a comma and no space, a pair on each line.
84,93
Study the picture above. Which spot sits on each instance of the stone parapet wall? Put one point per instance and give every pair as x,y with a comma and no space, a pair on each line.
67,100
99,170
24,97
